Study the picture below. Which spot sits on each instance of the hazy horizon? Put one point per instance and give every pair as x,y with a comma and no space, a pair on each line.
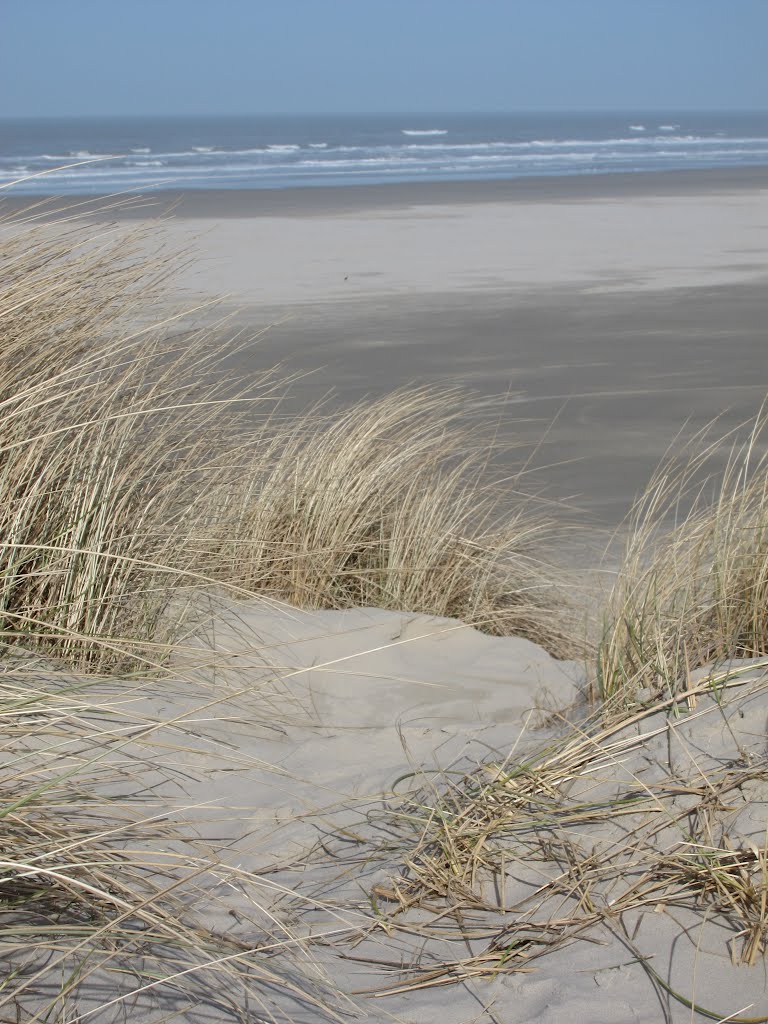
394,112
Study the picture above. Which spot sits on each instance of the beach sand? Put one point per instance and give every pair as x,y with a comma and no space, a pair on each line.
606,313
605,316
293,745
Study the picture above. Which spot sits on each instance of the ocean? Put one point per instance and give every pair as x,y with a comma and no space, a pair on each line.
103,156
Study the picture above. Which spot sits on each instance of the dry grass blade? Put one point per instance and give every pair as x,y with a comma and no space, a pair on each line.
127,461
99,896
697,593
129,483
612,820
385,505
109,431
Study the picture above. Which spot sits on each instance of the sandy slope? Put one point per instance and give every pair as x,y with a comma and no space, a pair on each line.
292,774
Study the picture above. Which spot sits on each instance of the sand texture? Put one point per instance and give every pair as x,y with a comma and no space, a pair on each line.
399,244
334,724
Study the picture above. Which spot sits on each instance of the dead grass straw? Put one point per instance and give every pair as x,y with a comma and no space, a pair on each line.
695,593
388,504
128,483
591,831
110,432
128,468
108,904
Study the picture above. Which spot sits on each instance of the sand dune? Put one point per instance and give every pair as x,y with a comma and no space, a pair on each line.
324,723
371,801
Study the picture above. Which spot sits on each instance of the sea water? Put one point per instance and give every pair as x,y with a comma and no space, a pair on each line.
104,156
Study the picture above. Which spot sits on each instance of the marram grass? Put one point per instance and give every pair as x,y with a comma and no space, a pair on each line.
694,593
133,476
384,505
110,907
131,471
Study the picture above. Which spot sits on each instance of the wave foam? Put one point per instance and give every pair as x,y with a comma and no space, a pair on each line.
367,155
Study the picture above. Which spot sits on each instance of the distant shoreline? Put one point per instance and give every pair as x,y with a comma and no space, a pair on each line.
304,201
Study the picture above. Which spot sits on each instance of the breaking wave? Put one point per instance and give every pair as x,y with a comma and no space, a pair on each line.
313,152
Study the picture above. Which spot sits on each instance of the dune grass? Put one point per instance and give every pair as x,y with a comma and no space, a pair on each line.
128,466
106,434
388,504
580,834
694,593
637,802
109,904
134,476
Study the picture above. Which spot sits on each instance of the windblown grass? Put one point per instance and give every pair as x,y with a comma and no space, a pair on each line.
644,806
696,593
133,476
127,469
107,434
130,481
108,903
386,505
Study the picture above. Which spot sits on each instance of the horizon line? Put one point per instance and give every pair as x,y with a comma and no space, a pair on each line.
392,113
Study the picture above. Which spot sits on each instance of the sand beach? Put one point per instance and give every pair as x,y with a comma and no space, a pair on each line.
385,814
614,311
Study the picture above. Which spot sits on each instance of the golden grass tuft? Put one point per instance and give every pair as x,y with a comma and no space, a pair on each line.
128,470
386,505
695,593
107,433
133,476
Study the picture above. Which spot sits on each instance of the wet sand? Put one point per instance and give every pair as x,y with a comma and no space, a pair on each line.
603,383
607,312
303,202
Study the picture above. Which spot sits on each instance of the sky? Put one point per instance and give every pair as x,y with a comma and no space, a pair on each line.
123,57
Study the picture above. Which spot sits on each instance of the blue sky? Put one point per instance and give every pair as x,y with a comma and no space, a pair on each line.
110,57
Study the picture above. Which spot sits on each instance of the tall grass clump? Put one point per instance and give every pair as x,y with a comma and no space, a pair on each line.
696,592
107,430
390,504
111,437
133,474
129,468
